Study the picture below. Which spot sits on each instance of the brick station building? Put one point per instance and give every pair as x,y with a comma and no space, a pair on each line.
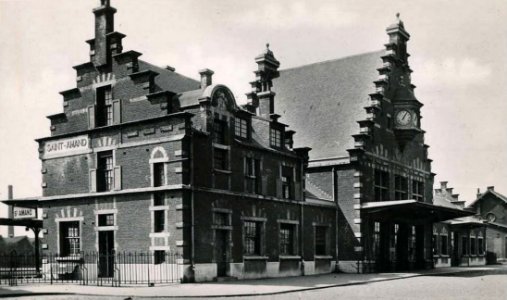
368,154
145,159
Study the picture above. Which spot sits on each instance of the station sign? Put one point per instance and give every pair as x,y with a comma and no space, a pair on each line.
66,147
23,213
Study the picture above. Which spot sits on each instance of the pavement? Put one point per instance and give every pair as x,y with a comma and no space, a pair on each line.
258,287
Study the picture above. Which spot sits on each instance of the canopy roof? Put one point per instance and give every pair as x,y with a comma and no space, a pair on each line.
412,211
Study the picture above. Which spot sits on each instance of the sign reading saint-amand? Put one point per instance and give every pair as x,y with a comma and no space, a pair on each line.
65,147
24,213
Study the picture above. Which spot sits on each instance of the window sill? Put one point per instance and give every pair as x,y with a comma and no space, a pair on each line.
254,257
323,257
289,257
221,227
221,146
228,172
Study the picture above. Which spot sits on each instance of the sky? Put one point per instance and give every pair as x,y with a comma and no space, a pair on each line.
458,54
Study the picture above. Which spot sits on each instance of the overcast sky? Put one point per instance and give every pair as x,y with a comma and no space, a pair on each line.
458,54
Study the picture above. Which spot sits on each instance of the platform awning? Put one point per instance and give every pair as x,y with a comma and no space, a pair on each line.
31,202
33,223
412,211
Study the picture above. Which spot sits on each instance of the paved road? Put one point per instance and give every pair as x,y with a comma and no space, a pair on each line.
483,285
470,285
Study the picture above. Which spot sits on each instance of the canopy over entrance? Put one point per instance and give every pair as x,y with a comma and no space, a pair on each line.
412,211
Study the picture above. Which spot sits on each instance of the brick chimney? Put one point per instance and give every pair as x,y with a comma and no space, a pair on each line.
261,95
104,24
206,78
10,212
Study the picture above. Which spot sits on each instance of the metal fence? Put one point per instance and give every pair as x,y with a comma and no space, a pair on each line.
91,268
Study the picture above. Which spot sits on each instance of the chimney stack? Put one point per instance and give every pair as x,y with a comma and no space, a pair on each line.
10,212
206,78
104,24
491,188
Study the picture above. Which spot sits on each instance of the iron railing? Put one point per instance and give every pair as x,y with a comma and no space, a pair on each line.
92,268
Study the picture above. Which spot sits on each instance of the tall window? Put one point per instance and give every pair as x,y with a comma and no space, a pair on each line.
158,174
220,159
221,219
444,244
158,220
241,128
106,220
275,137
252,175
219,131
287,182
104,112
472,246
287,239
400,188
418,190
381,185
69,238
320,240
105,171
252,233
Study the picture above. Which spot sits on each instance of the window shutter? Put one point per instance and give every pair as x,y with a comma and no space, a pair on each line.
117,178
91,116
93,180
116,111
278,188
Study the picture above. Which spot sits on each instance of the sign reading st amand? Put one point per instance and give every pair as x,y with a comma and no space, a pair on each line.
65,147
23,213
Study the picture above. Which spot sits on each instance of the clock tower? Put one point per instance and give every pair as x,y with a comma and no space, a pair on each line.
406,107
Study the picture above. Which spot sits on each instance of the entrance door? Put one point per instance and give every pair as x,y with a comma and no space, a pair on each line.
106,253
221,247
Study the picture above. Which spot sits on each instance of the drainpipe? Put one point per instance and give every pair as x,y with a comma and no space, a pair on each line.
192,192
335,198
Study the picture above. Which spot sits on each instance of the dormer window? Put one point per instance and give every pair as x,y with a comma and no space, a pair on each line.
275,138
241,128
104,111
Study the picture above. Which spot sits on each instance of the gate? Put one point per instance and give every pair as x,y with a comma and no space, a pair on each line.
87,268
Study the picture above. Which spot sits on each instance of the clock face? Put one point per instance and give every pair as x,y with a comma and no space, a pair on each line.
403,117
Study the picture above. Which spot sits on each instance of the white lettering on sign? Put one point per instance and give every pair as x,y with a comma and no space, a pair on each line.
65,147
24,213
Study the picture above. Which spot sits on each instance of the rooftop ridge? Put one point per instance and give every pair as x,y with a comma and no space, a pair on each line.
333,60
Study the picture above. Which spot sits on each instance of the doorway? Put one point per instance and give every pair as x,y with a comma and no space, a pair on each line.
221,252
106,253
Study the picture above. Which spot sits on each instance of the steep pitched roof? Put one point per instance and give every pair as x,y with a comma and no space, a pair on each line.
170,80
322,102
496,194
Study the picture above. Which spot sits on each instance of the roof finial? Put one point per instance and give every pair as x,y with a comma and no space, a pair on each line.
267,46
398,16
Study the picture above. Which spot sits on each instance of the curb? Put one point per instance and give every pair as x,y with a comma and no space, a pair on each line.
26,294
